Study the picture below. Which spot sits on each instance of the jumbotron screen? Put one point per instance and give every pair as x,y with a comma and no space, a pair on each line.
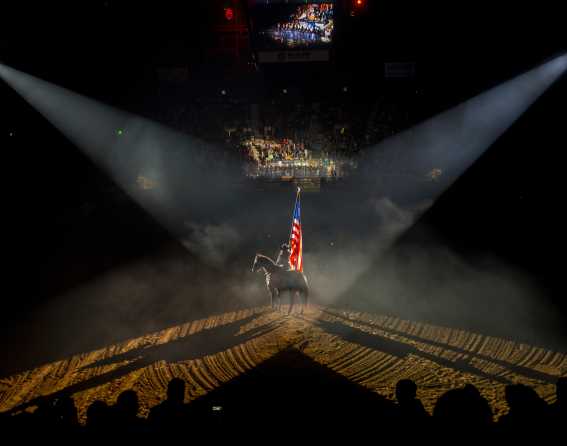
280,24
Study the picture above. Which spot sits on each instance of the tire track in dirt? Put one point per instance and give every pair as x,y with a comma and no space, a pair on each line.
373,350
436,358
150,381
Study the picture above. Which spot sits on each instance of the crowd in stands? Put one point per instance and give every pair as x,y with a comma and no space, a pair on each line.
463,410
335,125
260,135
265,150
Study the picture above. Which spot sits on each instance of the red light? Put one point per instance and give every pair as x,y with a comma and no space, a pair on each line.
229,13
357,7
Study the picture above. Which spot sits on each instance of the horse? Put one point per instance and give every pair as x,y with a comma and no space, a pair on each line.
279,279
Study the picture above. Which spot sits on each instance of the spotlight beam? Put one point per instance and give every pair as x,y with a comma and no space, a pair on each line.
447,144
444,146
173,175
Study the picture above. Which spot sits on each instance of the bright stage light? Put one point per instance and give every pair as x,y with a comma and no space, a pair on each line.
129,147
444,146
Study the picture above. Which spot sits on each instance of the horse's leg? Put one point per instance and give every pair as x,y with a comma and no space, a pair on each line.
277,298
271,293
291,300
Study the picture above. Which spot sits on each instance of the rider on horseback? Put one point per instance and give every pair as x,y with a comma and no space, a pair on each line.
283,256
280,279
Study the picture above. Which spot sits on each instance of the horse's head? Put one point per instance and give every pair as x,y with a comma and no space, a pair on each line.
263,263
255,264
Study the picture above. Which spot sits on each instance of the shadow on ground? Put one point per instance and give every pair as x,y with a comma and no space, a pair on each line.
290,395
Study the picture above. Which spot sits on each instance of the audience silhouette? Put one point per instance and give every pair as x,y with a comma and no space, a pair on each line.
476,409
170,415
98,417
463,409
410,408
527,412
125,414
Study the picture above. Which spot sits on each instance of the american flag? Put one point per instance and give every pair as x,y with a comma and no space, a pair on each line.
296,239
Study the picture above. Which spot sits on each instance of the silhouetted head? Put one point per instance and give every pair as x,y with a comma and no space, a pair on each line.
405,390
97,414
521,397
176,390
477,409
471,391
449,406
127,403
561,389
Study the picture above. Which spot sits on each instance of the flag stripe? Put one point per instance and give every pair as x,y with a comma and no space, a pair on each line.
296,239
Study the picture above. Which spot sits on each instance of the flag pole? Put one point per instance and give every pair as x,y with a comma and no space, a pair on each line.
293,212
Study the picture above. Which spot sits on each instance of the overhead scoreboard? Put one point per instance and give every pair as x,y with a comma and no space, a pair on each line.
292,30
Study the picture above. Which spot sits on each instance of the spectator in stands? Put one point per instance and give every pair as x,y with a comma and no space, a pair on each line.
527,411
125,414
171,414
410,408
478,410
462,410
98,418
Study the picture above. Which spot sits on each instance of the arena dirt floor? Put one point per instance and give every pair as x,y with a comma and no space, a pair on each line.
332,355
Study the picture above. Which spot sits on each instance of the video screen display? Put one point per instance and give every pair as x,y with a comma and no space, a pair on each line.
292,24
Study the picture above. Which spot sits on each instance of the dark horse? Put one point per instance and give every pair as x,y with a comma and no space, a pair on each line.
279,279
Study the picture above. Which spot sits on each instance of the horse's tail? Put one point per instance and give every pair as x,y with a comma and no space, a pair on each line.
306,287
